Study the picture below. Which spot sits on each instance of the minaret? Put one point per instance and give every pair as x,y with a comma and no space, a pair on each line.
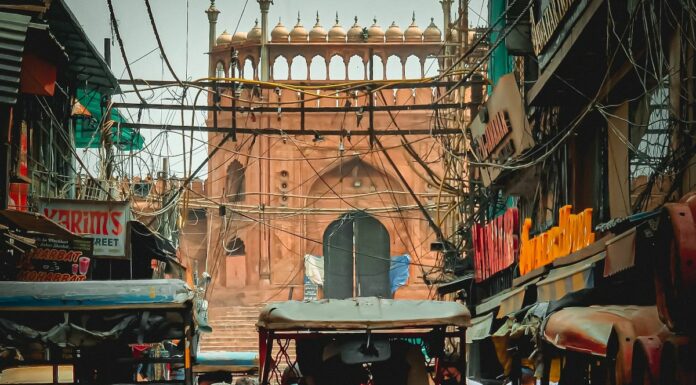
212,13
264,65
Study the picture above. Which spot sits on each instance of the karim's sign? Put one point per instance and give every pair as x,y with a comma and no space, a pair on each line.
104,222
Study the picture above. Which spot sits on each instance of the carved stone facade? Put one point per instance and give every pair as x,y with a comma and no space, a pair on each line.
282,191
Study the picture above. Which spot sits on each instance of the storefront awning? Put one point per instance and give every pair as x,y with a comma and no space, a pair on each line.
13,29
568,279
480,328
621,253
87,126
588,329
33,223
507,302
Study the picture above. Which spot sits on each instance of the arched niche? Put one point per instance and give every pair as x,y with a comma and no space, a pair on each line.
249,69
431,66
378,68
337,68
317,68
412,67
235,183
356,68
220,71
394,67
281,69
298,68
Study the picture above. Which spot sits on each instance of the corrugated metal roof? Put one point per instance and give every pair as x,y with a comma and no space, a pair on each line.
13,33
86,63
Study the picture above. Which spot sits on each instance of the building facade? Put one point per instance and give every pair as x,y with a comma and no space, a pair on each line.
293,193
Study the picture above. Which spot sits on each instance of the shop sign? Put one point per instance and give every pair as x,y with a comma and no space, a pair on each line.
551,17
497,130
574,232
57,260
505,132
495,244
104,222
311,290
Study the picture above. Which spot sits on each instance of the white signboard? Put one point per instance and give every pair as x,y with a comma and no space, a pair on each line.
105,222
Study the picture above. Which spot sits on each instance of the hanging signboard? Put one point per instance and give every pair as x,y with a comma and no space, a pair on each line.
57,260
495,244
501,130
104,222
311,290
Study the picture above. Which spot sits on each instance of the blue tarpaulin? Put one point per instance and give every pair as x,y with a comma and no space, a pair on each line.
398,272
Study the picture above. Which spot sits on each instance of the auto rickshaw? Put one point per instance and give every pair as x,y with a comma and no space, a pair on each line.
362,341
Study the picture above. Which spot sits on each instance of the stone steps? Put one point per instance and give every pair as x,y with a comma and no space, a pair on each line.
234,329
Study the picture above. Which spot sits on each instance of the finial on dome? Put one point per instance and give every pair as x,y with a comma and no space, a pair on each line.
413,18
432,20
317,17
356,19
336,18
298,17
374,19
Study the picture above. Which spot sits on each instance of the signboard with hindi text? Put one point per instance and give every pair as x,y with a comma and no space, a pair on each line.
103,221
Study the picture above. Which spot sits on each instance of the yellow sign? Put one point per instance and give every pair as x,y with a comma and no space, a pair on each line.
574,231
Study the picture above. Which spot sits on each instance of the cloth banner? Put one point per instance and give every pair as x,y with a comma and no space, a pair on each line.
314,269
399,271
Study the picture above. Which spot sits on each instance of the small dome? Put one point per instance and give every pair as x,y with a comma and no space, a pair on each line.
255,33
298,33
432,33
239,37
375,32
355,32
413,33
224,38
337,33
394,33
318,33
280,34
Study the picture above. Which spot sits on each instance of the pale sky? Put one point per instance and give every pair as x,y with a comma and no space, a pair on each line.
183,28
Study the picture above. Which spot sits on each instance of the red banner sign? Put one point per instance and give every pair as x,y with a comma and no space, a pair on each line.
495,244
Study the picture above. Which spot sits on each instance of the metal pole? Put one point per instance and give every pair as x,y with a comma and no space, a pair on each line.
265,6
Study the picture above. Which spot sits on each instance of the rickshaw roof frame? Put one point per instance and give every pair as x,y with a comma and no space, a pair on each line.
361,314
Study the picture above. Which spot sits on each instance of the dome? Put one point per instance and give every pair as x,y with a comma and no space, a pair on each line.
337,33
255,33
318,33
355,32
239,37
375,32
298,33
413,33
224,38
280,33
394,33
432,33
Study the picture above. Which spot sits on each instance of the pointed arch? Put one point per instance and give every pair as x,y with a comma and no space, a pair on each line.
356,68
394,67
249,70
281,68
235,182
412,67
431,66
378,68
298,68
337,68
220,70
317,68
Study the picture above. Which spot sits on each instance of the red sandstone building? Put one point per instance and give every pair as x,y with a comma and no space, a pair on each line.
288,196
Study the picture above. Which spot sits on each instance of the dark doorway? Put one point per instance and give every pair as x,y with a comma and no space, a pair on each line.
356,257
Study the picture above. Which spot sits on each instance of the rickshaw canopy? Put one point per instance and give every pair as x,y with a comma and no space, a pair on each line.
94,295
364,313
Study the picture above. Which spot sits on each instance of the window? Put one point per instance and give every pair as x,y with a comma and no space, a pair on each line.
220,70
649,147
234,186
234,247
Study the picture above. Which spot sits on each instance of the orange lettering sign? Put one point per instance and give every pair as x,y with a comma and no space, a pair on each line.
574,232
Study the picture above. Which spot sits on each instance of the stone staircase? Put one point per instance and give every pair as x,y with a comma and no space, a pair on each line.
234,329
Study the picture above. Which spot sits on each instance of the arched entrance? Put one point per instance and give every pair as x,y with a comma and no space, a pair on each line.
356,257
